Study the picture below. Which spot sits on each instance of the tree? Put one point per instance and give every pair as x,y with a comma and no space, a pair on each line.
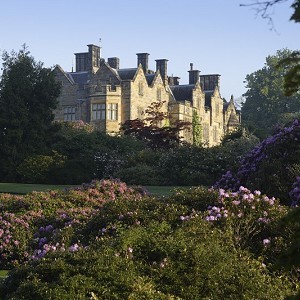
266,103
263,9
28,95
150,130
292,61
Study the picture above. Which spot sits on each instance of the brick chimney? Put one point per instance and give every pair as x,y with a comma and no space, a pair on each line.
210,82
193,75
114,62
142,58
162,66
173,80
93,57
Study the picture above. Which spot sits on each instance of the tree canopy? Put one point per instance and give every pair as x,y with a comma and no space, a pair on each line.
28,95
266,102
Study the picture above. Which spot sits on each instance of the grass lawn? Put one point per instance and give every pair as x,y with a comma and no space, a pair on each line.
20,188
163,190
3,274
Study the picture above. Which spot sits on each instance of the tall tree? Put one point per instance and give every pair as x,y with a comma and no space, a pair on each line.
28,95
266,103
151,131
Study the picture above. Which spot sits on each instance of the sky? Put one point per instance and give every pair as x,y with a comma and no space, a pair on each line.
217,36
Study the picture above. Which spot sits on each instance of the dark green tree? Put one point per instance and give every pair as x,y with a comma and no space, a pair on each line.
266,103
28,95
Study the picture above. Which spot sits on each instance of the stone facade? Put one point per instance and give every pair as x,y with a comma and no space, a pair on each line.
101,93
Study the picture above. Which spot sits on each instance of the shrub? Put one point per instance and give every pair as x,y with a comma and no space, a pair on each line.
186,263
36,168
271,167
105,240
140,174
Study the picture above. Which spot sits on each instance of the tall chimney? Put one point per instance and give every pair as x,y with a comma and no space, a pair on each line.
81,61
93,57
162,66
142,58
193,75
114,62
210,82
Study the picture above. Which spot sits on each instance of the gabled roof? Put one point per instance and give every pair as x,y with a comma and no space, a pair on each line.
150,78
114,71
58,68
127,74
183,92
79,77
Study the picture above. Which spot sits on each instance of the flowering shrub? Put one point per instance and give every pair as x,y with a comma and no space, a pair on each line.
108,241
271,167
155,261
248,216
42,222
80,125
15,234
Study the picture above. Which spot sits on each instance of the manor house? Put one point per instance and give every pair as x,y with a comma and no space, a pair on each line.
102,93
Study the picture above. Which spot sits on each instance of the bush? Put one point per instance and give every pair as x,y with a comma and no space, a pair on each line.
140,174
35,169
271,167
186,263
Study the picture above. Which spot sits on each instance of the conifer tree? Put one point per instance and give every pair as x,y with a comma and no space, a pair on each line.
28,95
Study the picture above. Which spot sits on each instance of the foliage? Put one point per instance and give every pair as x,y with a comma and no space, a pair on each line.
292,77
140,247
150,130
197,130
296,15
271,167
190,165
28,95
90,154
141,174
250,217
36,168
266,102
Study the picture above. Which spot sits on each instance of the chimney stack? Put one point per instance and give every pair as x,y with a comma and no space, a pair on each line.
114,62
210,82
174,80
93,58
193,75
162,66
142,58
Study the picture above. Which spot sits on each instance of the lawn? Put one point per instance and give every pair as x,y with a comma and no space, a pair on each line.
20,188
3,274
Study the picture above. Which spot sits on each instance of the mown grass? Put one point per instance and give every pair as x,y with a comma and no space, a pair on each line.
3,275
20,188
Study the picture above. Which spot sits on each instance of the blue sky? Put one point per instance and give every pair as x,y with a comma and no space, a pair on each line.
217,36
